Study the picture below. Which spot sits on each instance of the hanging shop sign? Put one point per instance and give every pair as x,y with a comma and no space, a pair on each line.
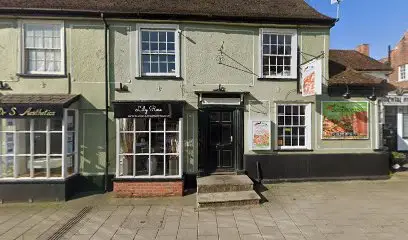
260,135
311,76
142,110
31,111
345,120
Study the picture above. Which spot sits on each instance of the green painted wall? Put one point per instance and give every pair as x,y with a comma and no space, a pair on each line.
200,71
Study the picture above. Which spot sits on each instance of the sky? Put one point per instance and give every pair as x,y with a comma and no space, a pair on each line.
377,22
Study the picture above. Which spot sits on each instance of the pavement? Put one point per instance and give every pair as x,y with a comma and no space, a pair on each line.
311,210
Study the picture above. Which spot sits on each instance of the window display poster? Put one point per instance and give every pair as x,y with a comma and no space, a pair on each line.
345,120
261,135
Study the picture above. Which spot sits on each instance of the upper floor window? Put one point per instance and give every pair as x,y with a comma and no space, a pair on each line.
43,48
279,53
159,51
402,72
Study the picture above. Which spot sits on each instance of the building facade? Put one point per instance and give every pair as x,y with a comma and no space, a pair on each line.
396,103
158,99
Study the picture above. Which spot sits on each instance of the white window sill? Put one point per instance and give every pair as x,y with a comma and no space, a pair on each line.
294,149
147,177
42,75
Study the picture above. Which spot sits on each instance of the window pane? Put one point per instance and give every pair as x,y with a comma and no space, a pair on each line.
7,143
40,166
126,142
6,166
172,165
125,124
126,165
23,166
172,125
23,143
145,36
142,124
281,39
56,165
40,143
56,125
71,164
142,165
22,124
154,36
71,121
170,36
172,142
157,143
157,124
142,142
157,165
40,124
56,143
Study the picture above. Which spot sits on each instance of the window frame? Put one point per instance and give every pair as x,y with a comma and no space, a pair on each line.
158,27
403,67
47,131
164,154
294,51
308,127
23,65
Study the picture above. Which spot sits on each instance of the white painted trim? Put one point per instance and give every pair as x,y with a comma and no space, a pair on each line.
172,27
405,71
308,129
48,149
22,68
117,147
64,144
76,170
181,150
294,48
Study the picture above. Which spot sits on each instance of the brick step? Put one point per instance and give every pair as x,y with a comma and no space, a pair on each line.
224,183
227,199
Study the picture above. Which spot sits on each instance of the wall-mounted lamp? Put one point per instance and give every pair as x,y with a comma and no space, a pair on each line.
4,86
372,97
347,95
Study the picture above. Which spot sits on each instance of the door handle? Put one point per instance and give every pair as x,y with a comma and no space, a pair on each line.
232,138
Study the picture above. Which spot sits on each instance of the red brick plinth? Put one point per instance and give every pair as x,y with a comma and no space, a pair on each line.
148,189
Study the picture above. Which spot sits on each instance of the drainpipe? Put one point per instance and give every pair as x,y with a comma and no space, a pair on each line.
106,103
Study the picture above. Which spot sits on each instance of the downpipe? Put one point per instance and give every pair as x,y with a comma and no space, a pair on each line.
106,28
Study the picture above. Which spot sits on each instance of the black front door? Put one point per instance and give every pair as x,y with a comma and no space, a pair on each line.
220,140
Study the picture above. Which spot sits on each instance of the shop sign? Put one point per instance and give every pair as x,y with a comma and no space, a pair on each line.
345,120
311,78
260,135
395,100
31,111
142,110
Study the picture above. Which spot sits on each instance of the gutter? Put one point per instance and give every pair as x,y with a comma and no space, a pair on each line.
106,103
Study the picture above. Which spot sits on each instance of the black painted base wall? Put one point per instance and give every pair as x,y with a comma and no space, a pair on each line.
25,191
317,166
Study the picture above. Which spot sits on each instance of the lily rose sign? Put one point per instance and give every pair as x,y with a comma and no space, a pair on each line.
345,120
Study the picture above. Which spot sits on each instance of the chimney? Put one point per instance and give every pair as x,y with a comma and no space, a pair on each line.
364,49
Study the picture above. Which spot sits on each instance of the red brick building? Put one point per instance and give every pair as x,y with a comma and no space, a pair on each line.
399,62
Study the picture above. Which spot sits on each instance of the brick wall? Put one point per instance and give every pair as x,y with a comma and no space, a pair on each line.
148,189
399,56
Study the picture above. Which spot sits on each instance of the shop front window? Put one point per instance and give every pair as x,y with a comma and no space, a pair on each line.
33,148
148,147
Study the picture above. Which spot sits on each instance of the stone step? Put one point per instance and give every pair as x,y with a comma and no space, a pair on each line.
227,199
224,183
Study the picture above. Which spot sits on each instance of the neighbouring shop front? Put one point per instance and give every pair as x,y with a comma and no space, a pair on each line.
149,149
39,147
395,128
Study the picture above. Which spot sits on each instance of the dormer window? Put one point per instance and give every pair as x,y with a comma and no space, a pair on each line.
278,53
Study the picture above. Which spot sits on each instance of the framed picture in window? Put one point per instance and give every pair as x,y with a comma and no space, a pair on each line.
260,135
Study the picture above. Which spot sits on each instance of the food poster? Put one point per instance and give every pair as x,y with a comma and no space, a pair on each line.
261,135
345,120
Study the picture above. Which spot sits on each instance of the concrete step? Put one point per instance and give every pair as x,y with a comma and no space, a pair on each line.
224,183
227,199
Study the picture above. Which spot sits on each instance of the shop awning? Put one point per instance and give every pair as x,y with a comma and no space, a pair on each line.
148,109
35,105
